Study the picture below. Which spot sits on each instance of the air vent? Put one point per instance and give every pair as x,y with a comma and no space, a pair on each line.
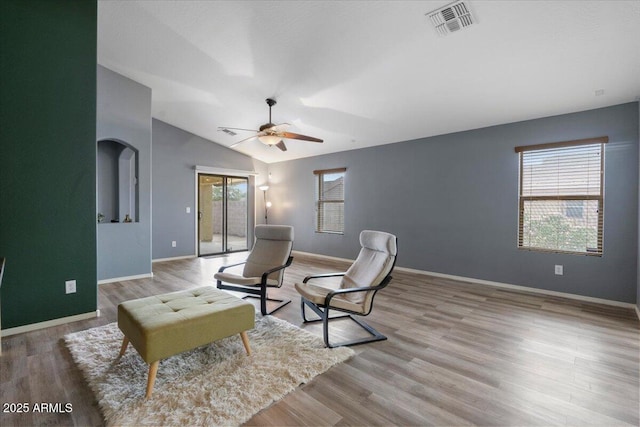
228,132
451,18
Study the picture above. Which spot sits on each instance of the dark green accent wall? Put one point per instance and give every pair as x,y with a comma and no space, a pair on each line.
47,158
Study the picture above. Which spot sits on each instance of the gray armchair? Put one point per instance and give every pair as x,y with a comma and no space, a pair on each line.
264,268
370,273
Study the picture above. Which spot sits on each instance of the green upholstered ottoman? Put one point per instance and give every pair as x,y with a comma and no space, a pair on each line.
164,325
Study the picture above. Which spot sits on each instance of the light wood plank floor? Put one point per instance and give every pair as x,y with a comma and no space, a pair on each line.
457,354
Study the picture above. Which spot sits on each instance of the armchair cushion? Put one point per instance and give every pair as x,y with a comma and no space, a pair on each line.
241,280
317,295
379,241
368,270
274,232
264,267
374,263
272,248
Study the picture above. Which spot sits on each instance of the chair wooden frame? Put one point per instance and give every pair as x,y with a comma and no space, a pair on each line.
323,310
259,293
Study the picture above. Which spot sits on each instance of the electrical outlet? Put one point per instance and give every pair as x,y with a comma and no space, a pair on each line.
70,286
173,244
559,270
188,209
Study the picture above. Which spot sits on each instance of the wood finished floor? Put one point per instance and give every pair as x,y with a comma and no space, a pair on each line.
457,354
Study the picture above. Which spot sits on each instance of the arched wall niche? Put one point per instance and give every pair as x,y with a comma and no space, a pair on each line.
118,197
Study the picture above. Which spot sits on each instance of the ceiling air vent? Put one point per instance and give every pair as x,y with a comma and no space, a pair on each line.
228,132
451,18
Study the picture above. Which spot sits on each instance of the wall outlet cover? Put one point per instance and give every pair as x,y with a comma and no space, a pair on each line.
173,244
559,270
70,286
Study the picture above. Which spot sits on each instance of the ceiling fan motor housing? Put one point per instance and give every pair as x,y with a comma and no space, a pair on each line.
271,140
266,126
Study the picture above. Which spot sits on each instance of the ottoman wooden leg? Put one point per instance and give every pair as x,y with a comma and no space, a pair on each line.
125,343
153,370
245,341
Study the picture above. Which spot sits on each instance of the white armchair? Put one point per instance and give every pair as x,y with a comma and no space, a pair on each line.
370,273
264,268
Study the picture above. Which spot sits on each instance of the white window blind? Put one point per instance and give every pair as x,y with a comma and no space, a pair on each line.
330,200
561,201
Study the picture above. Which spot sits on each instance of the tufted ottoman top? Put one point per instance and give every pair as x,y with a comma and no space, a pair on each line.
164,325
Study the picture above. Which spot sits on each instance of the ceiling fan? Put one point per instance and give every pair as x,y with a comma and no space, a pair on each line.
270,134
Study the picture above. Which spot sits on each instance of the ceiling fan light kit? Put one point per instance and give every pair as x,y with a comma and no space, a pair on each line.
269,139
270,134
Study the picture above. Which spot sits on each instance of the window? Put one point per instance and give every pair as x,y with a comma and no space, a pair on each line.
330,200
561,196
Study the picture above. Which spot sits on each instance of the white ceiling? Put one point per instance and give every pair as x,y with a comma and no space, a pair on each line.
364,73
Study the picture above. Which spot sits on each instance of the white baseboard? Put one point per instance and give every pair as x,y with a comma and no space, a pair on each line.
496,284
175,258
520,288
122,279
49,323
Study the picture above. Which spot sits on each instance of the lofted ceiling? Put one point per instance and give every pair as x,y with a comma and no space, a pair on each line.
365,73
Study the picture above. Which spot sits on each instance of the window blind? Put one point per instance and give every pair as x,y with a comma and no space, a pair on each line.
330,200
562,196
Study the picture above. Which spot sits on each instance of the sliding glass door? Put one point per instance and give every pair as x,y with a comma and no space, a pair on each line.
222,214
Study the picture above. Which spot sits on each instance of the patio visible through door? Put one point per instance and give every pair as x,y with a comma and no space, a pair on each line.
222,214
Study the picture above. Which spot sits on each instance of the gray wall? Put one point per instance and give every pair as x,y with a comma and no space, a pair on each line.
452,201
175,153
124,114
638,275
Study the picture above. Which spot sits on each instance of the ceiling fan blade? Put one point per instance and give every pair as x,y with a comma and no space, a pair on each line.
244,140
292,135
281,146
222,128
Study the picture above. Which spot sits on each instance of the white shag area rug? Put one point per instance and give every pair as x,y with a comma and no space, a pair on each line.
217,384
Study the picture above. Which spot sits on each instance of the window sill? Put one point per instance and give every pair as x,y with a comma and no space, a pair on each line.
558,251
